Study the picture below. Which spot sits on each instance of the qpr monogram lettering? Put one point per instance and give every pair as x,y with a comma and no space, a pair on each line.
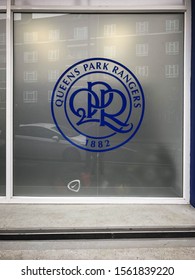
98,104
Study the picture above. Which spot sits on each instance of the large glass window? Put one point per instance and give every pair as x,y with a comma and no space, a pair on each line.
148,165
2,102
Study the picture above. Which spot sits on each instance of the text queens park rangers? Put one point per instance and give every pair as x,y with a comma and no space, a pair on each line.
98,104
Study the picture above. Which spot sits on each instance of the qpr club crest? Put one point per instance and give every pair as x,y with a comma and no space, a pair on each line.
100,101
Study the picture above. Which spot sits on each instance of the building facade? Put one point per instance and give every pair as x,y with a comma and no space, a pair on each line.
153,41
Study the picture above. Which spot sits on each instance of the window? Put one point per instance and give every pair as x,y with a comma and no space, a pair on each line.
30,96
53,55
30,37
172,71
54,35
109,30
142,71
30,76
142,27
172,48
141,49
150,164
172,25
30,57
81,33
53,75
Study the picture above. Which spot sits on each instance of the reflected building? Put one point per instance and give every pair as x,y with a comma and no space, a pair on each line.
150,46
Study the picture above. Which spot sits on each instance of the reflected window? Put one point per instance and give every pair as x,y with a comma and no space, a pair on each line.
172,71
172,48
109,29
30,96
142,71
54,34
172,25
30,57
30,76
30,37
142,27
142,49
81,33
53,55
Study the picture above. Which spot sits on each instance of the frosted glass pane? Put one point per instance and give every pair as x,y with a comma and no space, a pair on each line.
102,3
2,102
149,164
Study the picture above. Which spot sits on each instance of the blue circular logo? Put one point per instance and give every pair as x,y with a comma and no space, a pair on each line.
97,104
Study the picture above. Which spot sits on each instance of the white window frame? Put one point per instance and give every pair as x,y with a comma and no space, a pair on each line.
141,8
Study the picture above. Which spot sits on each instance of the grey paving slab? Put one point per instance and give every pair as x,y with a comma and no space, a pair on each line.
70,216
103,250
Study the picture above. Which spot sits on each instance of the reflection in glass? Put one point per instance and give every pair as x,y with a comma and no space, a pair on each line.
2,103
45,163
2,2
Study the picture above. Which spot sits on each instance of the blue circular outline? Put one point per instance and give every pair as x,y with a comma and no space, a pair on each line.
143,102
97,72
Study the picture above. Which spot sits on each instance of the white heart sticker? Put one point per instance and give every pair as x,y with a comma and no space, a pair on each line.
74,185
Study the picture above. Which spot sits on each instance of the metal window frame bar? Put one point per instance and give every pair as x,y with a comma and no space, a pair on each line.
96,233
10,9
